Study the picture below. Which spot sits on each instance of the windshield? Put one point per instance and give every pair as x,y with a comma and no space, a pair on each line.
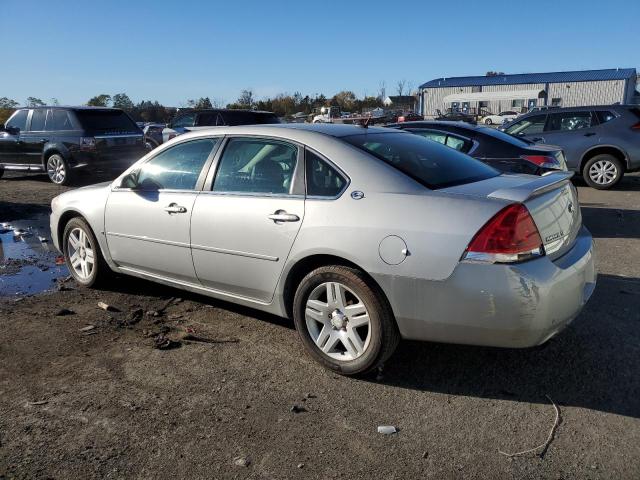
431,164
106,121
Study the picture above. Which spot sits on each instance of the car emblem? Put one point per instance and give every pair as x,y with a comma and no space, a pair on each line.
357,195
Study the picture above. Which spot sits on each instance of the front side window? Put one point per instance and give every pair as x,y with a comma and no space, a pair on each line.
252,165
569,121
177,168
322,179
58,120
455,142
184,121
605,116
432,165
19,120
528,126
432,135
37,120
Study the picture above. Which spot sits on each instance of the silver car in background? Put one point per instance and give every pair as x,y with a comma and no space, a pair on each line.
361,235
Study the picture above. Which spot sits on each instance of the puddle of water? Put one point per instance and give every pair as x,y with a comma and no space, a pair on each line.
28,265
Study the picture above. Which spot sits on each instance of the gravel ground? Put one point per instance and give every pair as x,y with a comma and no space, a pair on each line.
103,403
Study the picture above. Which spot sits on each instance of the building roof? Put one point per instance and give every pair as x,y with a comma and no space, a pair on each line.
550,77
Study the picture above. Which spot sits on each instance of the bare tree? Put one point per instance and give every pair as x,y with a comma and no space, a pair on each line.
400,86
382,90
409,87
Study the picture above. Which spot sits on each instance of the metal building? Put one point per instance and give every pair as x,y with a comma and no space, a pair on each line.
521,92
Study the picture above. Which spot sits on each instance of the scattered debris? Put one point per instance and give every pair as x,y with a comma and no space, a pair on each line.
544,446
135,316
88,328
64,311
60,260
387,429
298,409
43,239
162,342
190,337
301,465
242,461
21,232
425,454
107,308
39,402
153,313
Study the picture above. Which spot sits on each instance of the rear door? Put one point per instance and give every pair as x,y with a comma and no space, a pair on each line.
575,132
35,138
147,220
243,227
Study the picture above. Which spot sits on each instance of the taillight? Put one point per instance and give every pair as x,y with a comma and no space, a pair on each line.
510,236
543,161
87,143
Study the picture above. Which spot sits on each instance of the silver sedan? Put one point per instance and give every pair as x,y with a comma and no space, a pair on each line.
361,235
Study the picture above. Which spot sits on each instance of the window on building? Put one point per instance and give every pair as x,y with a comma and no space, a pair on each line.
556,102
476,89
517,104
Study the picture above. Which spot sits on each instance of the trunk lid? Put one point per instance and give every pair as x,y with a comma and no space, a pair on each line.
551,199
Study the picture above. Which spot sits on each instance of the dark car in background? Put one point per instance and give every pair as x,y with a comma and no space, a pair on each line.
189,120
152,134
601,143
498,149
63,141
456,116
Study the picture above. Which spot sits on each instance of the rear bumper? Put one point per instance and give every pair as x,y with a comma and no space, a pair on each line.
106,161
513,306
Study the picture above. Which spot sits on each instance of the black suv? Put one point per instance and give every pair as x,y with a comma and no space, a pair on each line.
65,140
189,120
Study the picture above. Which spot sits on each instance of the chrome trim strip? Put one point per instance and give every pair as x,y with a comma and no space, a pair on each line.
148,239
235,252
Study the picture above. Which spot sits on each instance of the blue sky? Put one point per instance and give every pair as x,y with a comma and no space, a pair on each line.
171,51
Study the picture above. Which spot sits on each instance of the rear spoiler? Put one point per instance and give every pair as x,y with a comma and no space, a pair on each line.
543,184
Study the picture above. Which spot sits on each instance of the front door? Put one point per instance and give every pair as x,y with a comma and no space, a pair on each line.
575,132
11,144
147,219
243,228
35,138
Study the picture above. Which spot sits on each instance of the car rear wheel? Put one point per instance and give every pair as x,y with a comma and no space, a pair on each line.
488,121
58,170
344,322
82,254
603,171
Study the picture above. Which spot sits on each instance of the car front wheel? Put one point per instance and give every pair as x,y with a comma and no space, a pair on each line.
82,253
603,171
345,323
488,121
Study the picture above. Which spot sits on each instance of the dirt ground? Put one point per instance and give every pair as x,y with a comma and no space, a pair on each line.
103,403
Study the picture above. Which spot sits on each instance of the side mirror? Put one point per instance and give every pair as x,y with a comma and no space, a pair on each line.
130,180
11,130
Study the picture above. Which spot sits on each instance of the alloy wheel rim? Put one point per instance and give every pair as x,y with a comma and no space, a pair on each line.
56,170
338,321
81,253
603,172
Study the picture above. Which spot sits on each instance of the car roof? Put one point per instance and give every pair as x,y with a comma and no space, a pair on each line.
216,110
69,107
435,123
577,109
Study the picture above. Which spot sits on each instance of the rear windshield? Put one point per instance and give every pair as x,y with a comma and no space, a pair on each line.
106,121
432,164
492,132
248,118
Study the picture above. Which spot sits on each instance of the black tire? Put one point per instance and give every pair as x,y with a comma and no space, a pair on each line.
383,335
100,271
595,164
57,169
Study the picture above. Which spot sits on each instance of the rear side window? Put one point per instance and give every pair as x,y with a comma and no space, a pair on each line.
528,126
177,168
569,121
434,166
445,138
106,122
58,120
38,118
604,116
184,121
252,165
492,132
322,179
19,120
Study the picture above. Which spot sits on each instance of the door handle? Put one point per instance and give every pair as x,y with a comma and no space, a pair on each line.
589,134
175,208
283,216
